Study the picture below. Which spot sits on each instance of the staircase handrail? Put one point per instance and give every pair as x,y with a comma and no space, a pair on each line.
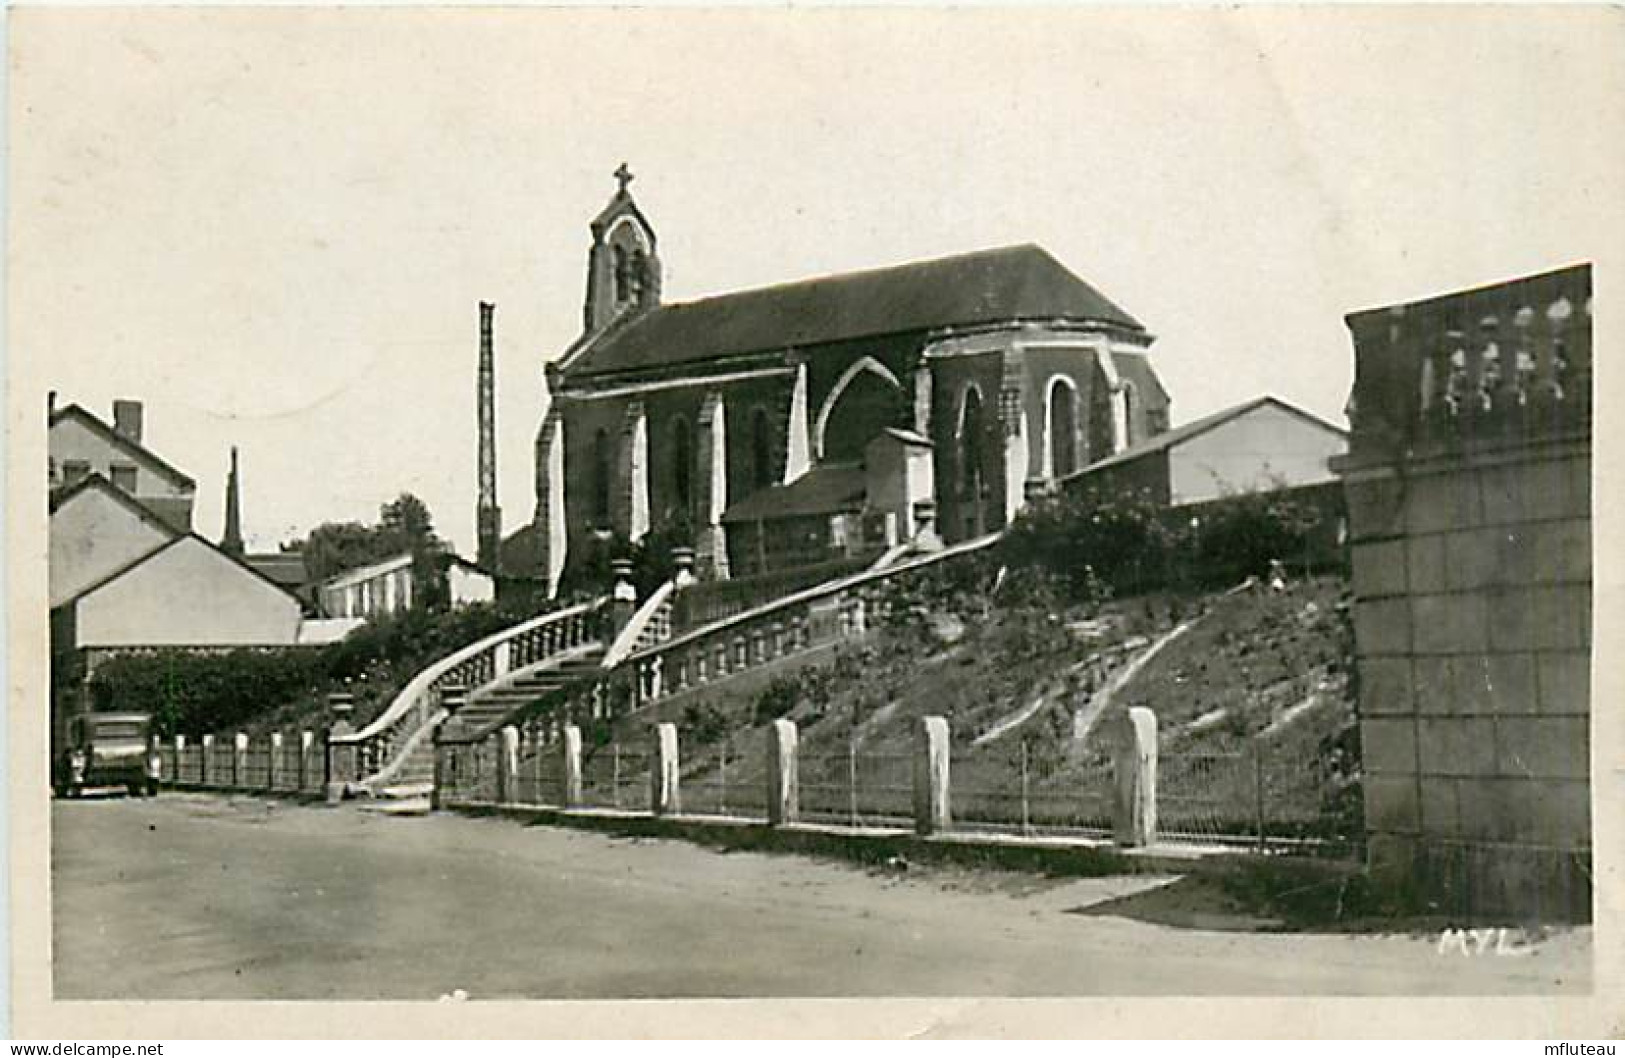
811,619
817,591
414,705
658,604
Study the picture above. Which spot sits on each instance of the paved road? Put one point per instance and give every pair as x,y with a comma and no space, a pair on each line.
200,897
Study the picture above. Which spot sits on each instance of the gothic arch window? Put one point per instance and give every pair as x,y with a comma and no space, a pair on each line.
1061,426
1129,397
866,399
761,449
603,473
972,475
682,468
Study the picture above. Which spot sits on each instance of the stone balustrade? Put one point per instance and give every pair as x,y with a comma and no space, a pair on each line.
812,619
1512,361
383,745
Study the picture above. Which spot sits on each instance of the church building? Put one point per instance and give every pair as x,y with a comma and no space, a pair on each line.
829,417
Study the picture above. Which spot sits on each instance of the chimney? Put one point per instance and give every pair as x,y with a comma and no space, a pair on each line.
127,419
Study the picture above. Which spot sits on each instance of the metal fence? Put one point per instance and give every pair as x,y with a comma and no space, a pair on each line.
1260,795
1016,788
616,776
857,788
723,782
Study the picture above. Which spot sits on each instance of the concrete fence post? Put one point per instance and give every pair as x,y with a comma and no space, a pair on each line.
570,765
273,768
508,765
307,743
783,779
340,763
239,760
931,807
206,768
180,755
1134,774
664,796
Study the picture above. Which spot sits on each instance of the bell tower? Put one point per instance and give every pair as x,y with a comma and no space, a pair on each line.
623,269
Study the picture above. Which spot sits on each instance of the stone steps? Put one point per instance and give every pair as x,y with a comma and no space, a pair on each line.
488,709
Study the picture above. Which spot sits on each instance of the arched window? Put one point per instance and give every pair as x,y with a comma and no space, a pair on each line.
1130,400
603,472
1062,424
682,468
972,431
761,450
866,399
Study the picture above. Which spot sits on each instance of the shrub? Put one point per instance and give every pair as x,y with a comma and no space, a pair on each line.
705,722
1095,546
777,699
1240,535
1090,543
195,693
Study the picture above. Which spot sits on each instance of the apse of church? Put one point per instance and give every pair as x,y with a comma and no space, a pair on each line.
748,423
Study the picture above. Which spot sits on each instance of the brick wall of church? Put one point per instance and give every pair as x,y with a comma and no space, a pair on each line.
771,396
582,421
1081,367
952,378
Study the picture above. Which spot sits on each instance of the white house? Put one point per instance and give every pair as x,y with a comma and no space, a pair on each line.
386,587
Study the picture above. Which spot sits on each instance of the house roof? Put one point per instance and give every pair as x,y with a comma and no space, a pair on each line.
179,538
823,490
988,286
287,568
357,574
94,481
1181,434
134,448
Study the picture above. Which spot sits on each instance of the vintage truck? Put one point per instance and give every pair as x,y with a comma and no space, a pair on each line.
108,749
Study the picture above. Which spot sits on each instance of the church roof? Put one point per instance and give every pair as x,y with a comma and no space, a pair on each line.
988,286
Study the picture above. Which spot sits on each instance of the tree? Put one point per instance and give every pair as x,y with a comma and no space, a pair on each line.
404,526
333,547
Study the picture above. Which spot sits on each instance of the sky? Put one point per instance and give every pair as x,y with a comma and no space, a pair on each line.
274,226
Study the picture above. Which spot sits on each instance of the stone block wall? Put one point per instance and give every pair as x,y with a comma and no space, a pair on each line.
1472,583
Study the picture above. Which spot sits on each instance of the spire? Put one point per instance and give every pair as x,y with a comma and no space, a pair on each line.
232,542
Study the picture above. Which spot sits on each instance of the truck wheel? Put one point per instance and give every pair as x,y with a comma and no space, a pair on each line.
152,787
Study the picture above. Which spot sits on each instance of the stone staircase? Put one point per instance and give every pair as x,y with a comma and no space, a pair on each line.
490,706
391,760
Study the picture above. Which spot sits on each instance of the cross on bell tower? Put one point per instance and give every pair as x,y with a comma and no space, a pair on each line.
623,269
